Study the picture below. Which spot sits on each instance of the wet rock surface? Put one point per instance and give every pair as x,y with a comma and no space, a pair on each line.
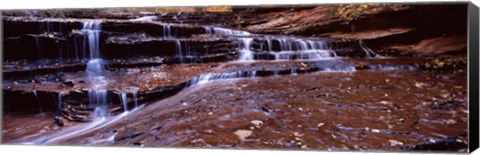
182,79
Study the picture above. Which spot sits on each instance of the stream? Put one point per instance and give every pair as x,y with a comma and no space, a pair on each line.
145,82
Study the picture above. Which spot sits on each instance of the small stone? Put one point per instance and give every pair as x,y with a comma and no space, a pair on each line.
304,147
257,123
242,134
304,65
375,131
184,103
390,126
395,142
385,102
210,113
320,124
419,84
450,121
297,134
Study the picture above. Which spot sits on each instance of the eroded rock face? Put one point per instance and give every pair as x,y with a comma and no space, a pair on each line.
387,28
325,77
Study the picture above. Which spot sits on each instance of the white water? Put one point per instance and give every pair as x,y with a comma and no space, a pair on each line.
303,55
246,54
146,18
178,46
82,129
208,77
289,49
60,102
224,31
123,99
134,91
95,71
95,68
98,99
167,32
92,28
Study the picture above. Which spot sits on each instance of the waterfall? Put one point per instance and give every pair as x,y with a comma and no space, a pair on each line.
224,31
60,102
98,98
297,49
167,32
92,28
245,52
369,53
123,99
38,101
96,70
178,46
145,18
134,92
208,77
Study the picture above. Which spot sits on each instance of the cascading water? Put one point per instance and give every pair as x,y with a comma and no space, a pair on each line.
369,53
38,101
167,32
123,98
178,46
146,18
59,100
96,70
297,49
224,31
246,54
134,91
208,77
92,28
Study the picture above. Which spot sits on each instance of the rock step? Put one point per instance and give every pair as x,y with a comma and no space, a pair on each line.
113,45
31,71
32,25
79,99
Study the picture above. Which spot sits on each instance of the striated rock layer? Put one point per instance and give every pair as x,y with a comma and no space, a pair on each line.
371,77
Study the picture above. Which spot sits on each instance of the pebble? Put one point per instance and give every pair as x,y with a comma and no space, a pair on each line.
375,131
320,124
395,142
242,134
257,123
297,134
384,102
304,147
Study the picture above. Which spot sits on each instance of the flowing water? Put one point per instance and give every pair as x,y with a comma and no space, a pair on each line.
38,101
96,70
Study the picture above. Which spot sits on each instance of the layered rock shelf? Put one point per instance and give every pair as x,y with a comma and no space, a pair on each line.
332,77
